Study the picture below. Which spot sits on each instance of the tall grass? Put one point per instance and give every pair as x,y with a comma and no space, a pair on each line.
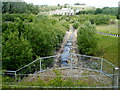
111,28
108,48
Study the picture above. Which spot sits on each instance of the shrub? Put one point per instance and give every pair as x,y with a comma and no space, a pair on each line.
24,41
17,52
14,17
86,40
95,19
76,25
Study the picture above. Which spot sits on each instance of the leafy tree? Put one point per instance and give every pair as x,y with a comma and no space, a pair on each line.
95,19
46,38
25,39
105,10
19,7
110,10
118,16
17,52
65,5
87,41
76,25
90,12
58,5
77,4
98,11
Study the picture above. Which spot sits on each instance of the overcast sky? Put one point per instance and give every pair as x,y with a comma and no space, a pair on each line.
110,3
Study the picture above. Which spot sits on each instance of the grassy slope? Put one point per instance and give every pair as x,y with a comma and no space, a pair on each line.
112,28
108,48
59,81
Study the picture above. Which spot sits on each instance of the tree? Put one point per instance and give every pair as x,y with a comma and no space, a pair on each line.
118,15
65,5
76,24
24,41
110,10
58,5
77,4
87,42
19,7
98,11
17,52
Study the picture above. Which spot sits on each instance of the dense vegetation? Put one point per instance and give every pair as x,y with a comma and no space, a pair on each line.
19,7
108,48
94,19
86,39
25,39
27,36
76,25
105,10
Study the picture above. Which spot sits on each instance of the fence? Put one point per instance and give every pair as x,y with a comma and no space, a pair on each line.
80,67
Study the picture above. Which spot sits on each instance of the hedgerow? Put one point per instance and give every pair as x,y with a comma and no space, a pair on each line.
24,41
86,39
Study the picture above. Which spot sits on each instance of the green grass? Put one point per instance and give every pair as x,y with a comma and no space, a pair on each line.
111,29
108,48
57,81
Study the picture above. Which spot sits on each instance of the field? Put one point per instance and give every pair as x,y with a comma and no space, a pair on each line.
111,28
108,48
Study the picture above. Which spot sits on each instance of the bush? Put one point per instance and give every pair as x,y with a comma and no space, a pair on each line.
101,19
95,19
86,40
19,7
76,25
24,41
17,52
15,17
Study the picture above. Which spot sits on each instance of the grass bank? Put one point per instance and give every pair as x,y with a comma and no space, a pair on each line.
111,28
108,48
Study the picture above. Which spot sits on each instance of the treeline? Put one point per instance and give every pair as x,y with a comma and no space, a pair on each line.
13,17
94,19
27,37
19,7
106,10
